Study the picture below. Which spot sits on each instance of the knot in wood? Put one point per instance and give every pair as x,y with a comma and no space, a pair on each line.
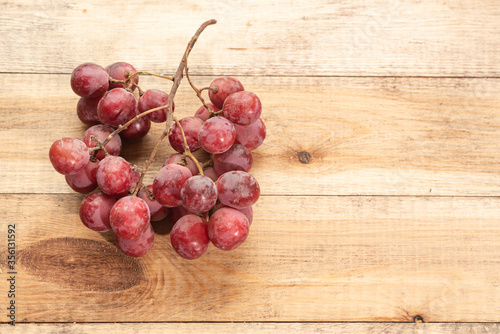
304,157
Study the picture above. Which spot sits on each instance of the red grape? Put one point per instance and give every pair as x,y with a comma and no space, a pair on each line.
238,189
248,212
129,217
168,183
238,157
114,175
139,246
225,86
242,108
191,127
154,98
85,180
116,107
89,80
86,110
251,136
217,135
199,193
101,131
95,209
158,211
121,71
177,157
203,113
137,130
68,155
189,237
228,228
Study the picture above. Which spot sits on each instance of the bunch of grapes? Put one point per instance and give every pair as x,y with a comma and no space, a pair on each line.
208,202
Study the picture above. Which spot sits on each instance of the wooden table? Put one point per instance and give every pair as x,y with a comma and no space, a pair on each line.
390,223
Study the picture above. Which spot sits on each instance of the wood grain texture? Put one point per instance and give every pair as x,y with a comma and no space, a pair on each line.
281,37
379,174
308,258
263,328
364,136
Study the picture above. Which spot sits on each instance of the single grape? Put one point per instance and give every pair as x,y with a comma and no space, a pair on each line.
242,108
168,183
129,217
178,157
116,107
86,110
224,87
101,132
68,155
248,212
211,174
114,175
251,136
217,135
85,180
95,209
137,130
227,228
191,127
158,211
154,98
203,113
189,237
238,189
199,193
89,80
139,246
121,71
238,157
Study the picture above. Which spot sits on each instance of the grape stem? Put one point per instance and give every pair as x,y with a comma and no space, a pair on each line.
124,126
196,90
187,151
176,82
129,78
98,146
215,113
214,90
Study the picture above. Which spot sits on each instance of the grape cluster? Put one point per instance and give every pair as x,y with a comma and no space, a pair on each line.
208,202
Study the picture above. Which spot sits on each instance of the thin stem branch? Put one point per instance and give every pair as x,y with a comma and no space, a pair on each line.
176,82
130,79
113,80
124,126
148,162
99,145
196,90
187,151
214,90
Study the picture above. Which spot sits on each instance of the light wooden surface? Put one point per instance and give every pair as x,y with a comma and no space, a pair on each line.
394,219
263,328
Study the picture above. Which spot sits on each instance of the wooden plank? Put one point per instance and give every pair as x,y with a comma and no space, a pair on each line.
262,328
311,258
365,136
281,37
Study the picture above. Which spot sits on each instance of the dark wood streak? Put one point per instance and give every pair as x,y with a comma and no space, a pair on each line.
81,264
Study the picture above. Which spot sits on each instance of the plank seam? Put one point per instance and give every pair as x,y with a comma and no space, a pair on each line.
298,76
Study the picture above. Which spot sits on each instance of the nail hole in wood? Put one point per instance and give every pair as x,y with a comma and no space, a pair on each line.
304,157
